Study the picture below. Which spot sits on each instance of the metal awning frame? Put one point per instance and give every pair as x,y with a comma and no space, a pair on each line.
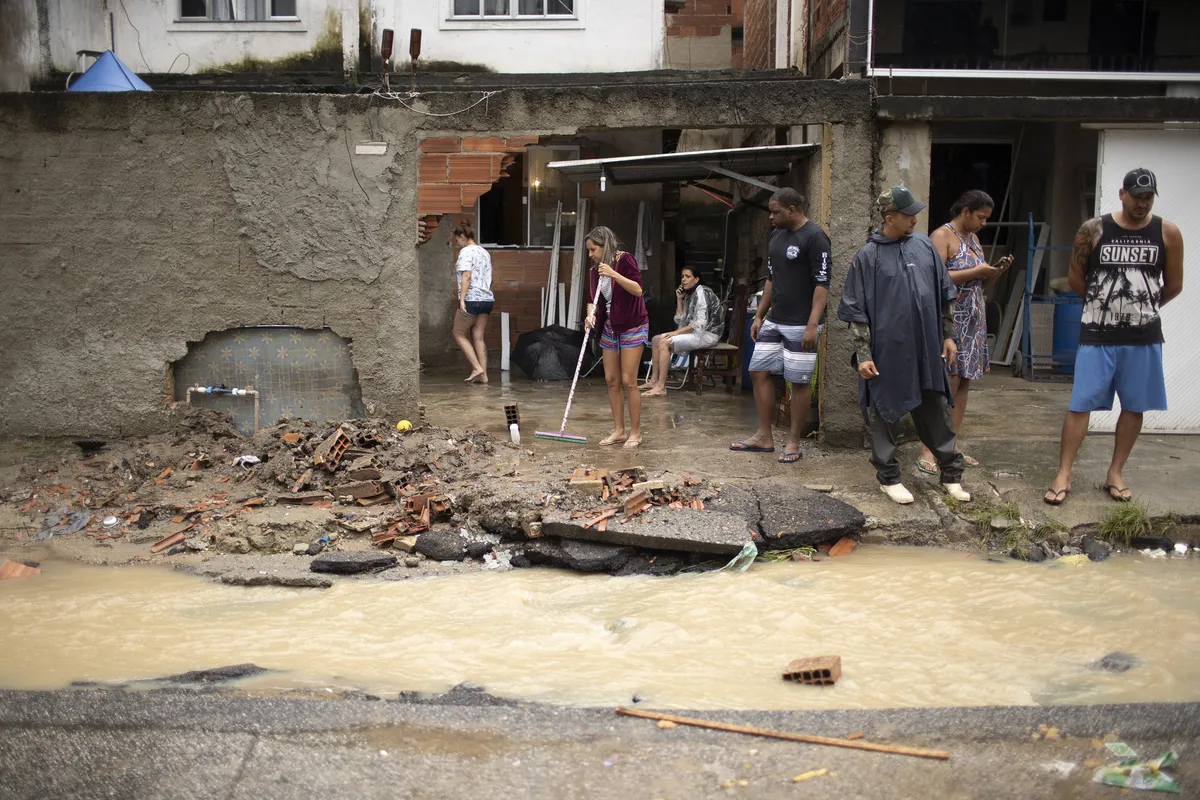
739,164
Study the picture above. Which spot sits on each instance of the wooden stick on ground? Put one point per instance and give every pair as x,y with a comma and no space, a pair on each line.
919,752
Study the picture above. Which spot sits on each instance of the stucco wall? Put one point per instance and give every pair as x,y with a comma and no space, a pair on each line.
904,151
134,223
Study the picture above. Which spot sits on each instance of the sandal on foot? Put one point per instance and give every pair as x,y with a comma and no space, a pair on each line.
790,458
633,444
1055,497
1119,494
926,466
970,462
612,439
746,447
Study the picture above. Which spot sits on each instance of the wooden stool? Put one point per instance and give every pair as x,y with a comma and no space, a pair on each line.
719,361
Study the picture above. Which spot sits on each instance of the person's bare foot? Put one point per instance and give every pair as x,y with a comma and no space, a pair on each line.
471,378
481,378
655,392
634,440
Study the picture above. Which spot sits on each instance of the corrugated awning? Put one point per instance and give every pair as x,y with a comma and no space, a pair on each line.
741,164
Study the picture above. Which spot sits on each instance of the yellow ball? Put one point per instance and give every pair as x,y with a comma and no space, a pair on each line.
404,425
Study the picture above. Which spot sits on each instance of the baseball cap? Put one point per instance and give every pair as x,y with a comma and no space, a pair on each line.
1140,181
899,199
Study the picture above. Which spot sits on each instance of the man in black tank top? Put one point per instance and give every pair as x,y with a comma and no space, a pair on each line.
1126,266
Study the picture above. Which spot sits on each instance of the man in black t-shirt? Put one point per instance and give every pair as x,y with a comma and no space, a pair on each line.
787,324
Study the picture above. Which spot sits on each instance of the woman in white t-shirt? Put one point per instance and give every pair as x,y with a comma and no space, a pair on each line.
473,273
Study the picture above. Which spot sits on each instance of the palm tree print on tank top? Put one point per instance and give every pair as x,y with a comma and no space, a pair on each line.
970,322
1124,285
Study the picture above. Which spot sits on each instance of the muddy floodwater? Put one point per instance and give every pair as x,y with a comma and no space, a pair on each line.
914,627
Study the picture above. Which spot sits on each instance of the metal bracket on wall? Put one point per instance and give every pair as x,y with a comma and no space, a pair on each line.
737,176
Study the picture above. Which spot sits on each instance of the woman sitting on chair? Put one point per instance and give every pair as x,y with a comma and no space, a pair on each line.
698,315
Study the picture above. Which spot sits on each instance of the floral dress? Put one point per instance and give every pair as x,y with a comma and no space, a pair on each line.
970,321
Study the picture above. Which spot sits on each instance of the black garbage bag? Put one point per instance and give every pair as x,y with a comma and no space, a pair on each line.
550,353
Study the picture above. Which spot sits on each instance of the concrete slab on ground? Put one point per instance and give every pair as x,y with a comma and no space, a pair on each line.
661,528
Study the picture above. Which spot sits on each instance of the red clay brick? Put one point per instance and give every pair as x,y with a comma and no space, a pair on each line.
439,198
517,144
490,144
433,169
472,192
470,168
441,144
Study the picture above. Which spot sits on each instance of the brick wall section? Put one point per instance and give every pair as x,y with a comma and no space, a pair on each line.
759,49
825,14
705,17
454,172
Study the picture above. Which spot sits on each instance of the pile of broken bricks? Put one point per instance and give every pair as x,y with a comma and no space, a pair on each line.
643,494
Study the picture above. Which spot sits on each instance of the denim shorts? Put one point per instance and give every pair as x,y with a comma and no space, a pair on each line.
477,307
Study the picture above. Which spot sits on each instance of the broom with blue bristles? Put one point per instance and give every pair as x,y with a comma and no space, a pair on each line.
561,434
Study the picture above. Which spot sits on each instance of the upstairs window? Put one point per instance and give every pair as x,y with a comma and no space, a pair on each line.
254,10
513,9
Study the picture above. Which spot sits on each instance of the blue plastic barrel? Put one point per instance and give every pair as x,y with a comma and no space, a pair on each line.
1068,316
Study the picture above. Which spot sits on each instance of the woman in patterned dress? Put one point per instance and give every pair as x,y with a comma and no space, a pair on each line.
963,254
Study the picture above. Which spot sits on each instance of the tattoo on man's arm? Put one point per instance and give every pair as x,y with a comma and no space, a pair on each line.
1081,248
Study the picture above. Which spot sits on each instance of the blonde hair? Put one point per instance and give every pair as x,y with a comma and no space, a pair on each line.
608,243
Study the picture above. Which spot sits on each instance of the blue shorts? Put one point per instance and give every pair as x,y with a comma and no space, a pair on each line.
477,307
1133,373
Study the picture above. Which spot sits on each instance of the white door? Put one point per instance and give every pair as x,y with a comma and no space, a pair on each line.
1173,156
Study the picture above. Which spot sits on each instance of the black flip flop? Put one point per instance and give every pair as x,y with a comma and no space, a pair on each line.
744,447
1119,497
1060,495
790,458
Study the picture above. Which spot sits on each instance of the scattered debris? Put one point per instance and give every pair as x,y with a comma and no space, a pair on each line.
330,452
15,569
1135,773
919,752
666,724
844,547
170,540
351,563
589,481
855,736
808,776
1117,662
245,462
815,671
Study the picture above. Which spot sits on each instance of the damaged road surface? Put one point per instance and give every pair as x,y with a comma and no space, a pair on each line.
362,498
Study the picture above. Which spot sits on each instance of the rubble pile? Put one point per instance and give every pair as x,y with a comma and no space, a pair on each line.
365,486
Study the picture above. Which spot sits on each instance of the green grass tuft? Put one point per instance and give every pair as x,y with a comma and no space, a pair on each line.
1125,522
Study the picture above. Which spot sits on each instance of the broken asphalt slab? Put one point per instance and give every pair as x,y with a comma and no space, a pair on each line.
339,563
660,528
787,515
579,556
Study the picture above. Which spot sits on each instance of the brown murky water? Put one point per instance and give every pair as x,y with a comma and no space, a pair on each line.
914,627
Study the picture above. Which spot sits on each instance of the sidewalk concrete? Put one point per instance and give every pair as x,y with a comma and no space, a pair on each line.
85,744
1012,427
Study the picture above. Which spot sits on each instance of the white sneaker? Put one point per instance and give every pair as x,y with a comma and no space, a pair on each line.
897,493
956,491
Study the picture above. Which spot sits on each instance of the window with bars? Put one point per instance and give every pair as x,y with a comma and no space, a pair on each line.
513,9
252,10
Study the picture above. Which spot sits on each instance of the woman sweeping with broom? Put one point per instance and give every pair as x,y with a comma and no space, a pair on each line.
621,314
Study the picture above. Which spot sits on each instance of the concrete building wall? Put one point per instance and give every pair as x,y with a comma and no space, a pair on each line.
605,36
904,153
133,224
19,49
701,35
